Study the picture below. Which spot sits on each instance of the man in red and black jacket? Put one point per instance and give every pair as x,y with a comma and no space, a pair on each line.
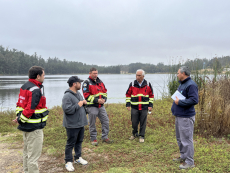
95,94
140,97
32,114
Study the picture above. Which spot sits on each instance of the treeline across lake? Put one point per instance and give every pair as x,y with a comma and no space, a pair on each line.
15,62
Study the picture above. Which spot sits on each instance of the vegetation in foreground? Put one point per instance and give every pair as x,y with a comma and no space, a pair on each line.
155,155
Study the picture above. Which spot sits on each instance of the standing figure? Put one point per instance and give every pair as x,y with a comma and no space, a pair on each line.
95,93
32,114
184,112
140,97
74,120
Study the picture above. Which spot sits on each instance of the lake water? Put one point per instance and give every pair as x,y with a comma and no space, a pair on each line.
55,86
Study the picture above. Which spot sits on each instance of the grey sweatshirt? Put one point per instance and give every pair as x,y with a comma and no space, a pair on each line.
74,115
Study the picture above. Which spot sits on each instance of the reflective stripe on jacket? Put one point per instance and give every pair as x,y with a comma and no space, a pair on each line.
24,119
94,90
139,97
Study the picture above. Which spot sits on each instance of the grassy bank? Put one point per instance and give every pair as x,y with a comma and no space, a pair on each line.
155,155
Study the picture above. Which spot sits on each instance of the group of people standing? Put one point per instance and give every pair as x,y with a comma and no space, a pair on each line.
32,114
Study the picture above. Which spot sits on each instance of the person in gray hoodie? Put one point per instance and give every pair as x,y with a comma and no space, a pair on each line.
74,120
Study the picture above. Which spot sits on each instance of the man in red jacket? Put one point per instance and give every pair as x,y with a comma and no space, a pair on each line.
140,97
95,94
32,114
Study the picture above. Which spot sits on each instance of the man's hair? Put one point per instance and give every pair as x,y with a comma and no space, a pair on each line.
70,84
185,69
34,71
92,69
143,72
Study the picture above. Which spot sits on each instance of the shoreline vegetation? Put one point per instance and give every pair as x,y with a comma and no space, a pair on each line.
13,61
155,155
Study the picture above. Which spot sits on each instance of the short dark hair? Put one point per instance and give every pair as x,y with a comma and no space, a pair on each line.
92,69
34,71
70,84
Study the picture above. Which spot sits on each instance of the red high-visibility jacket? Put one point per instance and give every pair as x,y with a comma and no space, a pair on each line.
139,97
31,107
94,90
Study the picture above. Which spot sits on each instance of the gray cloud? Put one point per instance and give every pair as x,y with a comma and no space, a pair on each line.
117,32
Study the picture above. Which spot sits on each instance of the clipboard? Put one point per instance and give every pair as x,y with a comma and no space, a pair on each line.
179,96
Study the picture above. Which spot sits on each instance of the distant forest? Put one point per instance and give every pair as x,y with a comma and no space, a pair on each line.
17,62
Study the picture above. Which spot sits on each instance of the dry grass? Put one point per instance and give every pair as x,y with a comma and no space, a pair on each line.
213,110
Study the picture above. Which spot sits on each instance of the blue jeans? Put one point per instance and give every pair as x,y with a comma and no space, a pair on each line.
74,141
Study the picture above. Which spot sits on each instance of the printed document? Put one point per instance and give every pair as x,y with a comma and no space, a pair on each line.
179,96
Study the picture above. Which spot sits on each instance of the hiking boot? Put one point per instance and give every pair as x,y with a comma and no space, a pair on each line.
95,143
132,137
141,140
81,161
108,141
179,159
69,166
186,166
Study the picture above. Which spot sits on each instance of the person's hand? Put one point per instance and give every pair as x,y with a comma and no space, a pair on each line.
177,100
128,108
101,101
150,109
15,120
84,102
80,103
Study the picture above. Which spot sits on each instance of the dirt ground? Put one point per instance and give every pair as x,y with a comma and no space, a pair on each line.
11,159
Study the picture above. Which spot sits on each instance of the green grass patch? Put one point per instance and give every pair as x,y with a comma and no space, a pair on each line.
154,155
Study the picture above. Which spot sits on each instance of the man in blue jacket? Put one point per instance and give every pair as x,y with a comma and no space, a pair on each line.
184,112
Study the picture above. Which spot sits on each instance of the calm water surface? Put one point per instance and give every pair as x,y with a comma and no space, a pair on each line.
55,86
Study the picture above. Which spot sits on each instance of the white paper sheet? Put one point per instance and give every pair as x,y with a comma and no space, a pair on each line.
179,96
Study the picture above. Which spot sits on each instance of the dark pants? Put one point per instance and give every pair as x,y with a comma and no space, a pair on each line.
74,140
136,117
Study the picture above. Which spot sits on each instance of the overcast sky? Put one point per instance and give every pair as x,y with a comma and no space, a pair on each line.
112,32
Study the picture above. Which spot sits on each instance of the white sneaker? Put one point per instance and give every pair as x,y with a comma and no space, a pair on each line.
132,137
69,166
141,140
81,161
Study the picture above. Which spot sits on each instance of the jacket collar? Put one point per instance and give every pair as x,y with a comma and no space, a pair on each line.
188,78
144,83
39,84
97,80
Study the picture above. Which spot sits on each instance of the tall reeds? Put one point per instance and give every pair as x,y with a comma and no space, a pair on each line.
213,110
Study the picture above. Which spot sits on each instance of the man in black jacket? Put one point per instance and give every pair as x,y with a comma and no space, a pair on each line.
74,121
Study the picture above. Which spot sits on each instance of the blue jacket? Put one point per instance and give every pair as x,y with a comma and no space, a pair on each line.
185,108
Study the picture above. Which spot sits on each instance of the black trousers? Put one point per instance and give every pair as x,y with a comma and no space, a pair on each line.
74,141
136,117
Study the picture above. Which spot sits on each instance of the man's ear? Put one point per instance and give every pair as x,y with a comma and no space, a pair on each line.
38,76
